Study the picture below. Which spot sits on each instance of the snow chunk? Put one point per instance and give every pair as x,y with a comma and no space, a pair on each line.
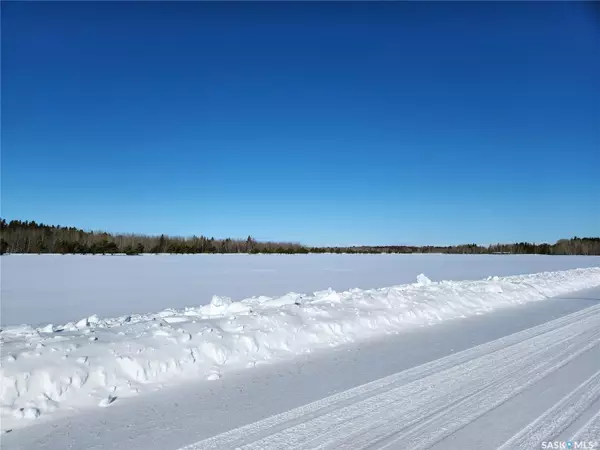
217,307
222,306
107,401
213,375
26,413
47,329
92,321
422,280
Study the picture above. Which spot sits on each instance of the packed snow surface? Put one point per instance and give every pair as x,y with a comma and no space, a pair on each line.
38,289
97,361
487,396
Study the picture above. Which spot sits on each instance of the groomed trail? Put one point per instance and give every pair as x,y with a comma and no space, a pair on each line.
426,405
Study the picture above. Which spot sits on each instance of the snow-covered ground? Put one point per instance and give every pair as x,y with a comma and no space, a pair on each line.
53,372
516,377
38,289
56,368
425,405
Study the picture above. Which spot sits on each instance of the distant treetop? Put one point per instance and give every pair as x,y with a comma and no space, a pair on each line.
32,237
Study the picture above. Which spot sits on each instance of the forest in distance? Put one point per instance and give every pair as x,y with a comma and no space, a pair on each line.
31,237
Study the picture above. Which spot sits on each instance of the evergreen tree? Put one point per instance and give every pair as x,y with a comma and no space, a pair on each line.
41,246
162,244
3,246
129,250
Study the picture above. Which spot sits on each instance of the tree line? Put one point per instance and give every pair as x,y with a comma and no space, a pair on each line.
31,237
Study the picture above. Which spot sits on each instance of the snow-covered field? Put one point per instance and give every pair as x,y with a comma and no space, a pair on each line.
39,289
97,360
514,378
53,369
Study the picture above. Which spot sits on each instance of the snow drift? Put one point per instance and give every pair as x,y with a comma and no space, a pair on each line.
97,361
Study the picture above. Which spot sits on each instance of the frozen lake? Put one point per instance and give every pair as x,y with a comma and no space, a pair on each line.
39,289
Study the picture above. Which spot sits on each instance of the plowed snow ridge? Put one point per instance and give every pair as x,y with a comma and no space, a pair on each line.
99,361
422,406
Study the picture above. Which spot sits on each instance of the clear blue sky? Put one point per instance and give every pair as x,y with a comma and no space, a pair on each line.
328,124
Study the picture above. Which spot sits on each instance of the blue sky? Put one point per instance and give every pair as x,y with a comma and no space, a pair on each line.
324,123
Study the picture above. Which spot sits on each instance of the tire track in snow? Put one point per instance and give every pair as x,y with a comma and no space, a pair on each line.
590,431
462,414
557,418
462,407
371,420
431,417
421,406
319,407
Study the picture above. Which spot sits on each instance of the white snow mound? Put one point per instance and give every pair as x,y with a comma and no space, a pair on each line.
96,362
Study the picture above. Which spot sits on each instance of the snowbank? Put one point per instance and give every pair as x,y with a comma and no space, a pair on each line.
97,361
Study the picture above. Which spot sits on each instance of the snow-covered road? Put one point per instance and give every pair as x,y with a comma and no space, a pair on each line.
514,378
428,404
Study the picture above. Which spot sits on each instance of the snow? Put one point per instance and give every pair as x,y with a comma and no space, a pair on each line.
434,402
99,361
188,413
42,289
